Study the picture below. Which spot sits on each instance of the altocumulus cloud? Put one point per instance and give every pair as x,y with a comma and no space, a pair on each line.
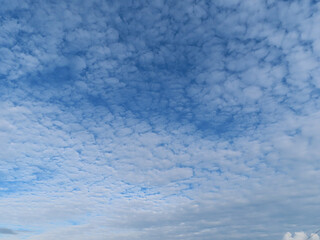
159,119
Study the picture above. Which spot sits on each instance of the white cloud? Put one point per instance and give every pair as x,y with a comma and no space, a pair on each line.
300,236
160,121
253,92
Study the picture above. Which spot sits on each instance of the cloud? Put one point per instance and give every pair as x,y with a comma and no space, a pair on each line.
299,236
160,120
7,231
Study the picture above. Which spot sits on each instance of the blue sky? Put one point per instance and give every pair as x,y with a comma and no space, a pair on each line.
160,119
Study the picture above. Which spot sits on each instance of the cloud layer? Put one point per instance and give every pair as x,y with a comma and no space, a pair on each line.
159,119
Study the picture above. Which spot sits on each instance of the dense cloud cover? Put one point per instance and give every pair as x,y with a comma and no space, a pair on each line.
160,119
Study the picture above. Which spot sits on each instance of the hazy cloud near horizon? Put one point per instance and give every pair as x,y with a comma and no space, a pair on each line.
159,119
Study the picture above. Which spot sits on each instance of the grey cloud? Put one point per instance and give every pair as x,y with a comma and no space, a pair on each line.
7,231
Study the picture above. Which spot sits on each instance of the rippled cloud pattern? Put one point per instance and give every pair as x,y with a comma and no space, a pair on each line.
162,119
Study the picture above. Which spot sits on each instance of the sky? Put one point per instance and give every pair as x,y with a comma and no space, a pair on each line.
159,119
